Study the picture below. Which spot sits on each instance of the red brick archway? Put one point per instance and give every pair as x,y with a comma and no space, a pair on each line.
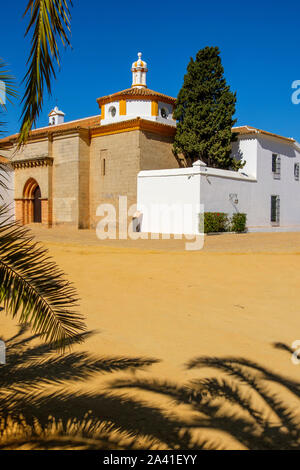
32,208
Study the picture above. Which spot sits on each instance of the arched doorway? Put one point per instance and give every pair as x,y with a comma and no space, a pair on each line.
32,204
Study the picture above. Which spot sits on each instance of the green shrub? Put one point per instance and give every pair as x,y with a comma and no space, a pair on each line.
215,222
238,222
220,222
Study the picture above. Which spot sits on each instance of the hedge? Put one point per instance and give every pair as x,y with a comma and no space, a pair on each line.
215,222
238,222
220,222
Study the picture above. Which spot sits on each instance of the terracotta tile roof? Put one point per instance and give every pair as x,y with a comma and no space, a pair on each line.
136,93
255,130
78,124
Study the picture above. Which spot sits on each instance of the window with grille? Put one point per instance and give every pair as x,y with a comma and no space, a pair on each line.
296,171
276,166
275,209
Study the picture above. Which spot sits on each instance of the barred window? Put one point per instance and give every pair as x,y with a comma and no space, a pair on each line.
275,209
276,166
296,171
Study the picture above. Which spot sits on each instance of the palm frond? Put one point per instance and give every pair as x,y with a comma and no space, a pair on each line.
49,22
3,180
33,288
7,88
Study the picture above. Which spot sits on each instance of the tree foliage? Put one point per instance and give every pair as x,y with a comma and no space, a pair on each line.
49,23
204,112
32,287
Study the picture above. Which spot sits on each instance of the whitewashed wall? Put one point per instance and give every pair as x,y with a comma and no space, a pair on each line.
8,195
246,149
248,190
286,187
169,200
229,192
138,108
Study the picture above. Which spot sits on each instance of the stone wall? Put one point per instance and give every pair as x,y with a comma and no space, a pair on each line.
156,151
65,153
87,172
114,165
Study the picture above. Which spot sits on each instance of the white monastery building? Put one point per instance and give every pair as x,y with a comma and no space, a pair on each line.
67,169
267,188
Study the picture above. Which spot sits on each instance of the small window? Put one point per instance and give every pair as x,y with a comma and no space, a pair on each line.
164,113
276,166
102,162
296,171
275,210
112,111
103,167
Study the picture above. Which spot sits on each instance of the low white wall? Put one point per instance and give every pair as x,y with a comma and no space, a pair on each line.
248,190
169,200
229,192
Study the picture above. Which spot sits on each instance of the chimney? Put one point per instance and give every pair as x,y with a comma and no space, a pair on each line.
56,117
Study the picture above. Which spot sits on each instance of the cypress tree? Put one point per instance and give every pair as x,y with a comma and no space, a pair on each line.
204,112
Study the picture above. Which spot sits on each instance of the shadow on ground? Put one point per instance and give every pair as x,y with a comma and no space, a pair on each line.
256,407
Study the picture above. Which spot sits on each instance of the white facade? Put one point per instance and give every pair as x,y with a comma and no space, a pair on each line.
138,108
169,200
249,190
7,195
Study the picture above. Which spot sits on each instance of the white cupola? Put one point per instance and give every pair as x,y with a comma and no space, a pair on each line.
139,71
56,117
137,102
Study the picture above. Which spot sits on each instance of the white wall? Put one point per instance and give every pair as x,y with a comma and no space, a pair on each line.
286,187
229,192
246,149
169,200
7,195
138,108
248,190
108,119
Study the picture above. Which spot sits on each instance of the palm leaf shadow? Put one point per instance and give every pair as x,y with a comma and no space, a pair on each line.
241,402
31,414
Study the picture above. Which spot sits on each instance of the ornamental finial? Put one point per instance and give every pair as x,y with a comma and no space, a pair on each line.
139,71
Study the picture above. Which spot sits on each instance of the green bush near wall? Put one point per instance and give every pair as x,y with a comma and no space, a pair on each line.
215,222
220,222
238,222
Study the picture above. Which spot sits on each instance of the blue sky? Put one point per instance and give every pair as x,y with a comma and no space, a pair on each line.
259,43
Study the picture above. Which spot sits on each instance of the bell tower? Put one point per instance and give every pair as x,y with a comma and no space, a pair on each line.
56,117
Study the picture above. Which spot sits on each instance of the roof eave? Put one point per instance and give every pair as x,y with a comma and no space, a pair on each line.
248,130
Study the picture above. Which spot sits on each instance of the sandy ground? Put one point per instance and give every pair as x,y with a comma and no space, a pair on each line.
150,298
